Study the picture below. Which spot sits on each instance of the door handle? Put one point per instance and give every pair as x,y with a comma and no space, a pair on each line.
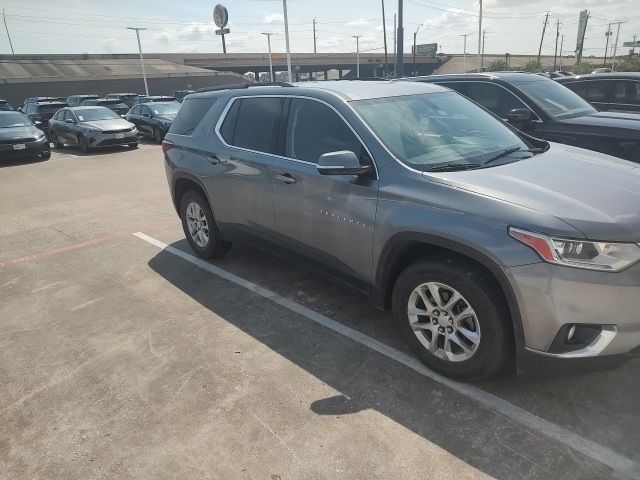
286,178
212,158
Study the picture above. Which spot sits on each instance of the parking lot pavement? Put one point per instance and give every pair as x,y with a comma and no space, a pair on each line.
121,359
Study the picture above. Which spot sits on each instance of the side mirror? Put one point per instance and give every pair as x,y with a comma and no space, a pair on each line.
343,162
69,120
519,115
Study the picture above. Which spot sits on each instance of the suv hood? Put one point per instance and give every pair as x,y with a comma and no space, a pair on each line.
110,124
595,193
599,120
17,133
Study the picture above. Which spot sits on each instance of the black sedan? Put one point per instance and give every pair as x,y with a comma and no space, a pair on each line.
153,119
19,138
112,103
610,92
91,127
40,112
545,109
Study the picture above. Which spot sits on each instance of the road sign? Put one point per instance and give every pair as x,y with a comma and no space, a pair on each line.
631,44
220,16
427,49
222,31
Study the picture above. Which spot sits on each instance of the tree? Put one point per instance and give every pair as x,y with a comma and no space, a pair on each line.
582,68
631,64
496,65
532,66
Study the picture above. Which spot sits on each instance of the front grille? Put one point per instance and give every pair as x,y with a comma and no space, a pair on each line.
15,141
120,130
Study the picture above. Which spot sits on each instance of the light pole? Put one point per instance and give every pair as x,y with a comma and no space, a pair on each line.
400,43
480,39
357,37
144,72
270,61
286,37
615,47
464,53
415,34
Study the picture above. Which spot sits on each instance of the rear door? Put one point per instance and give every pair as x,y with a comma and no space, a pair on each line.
328,220
237,174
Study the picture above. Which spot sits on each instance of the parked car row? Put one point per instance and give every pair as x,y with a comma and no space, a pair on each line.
489,243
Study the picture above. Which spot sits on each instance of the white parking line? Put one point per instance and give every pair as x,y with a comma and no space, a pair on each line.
580,444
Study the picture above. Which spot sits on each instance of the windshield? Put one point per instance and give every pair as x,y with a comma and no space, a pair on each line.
53,108
169,108
429,130
14,119
556,100
98,113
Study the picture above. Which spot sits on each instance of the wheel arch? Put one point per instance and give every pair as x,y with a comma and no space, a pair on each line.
182,183
406,248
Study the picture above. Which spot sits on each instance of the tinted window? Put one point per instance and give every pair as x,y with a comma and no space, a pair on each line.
229,125
314,128
492,97
257,123
191,113
145,110
554,99
627,91
595,91
135,110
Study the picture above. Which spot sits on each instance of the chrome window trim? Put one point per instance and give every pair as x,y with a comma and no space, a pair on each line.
227,107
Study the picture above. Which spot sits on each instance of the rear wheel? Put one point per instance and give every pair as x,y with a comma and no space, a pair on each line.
157,135
199,226
82,144
453,317
133,145
45,155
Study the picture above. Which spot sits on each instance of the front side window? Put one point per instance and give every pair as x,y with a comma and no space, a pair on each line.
314,128
165,108
255,124
627,91
428,130
594,90
554,99
493,97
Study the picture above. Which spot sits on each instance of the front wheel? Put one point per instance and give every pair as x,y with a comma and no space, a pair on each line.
82,144
53,136
157,135
199,226
453,317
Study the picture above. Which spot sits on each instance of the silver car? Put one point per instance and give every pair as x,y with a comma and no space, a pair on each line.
487,244
91,127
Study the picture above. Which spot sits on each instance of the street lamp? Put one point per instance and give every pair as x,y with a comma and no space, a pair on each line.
286,37
270,61
357,37
415,34
144,73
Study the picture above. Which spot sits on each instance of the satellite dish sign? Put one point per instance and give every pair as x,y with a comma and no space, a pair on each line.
220,16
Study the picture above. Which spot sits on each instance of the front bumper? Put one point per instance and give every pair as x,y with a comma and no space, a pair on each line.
32,149
96,140
552,296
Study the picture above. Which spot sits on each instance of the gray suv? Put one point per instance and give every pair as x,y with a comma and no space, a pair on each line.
487,244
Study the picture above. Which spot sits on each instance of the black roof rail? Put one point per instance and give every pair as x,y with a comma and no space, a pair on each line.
238,86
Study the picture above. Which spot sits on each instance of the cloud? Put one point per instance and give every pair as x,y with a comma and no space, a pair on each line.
357,23
274,18
110,45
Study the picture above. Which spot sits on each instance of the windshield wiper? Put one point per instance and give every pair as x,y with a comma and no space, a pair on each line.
509,151
452,166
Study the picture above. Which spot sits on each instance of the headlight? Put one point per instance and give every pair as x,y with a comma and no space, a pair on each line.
605,256
40,136
38,122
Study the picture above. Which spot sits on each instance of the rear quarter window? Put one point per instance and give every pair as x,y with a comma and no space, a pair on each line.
191,113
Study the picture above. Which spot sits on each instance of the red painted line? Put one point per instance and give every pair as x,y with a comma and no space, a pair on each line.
80,245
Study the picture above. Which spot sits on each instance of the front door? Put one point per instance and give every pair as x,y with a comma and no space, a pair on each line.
328,219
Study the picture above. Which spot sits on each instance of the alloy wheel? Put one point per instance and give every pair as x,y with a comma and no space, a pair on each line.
444,321
197,224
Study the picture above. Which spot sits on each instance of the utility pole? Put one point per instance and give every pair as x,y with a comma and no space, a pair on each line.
357,37
286,37
561,44
464,53
144,72
555,52
384,33
484,32
606,48
544,28
400,40
314,36
480,39
4,17
615,48
271,79
415,34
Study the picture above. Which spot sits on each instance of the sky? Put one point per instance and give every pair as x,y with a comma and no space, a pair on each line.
513,26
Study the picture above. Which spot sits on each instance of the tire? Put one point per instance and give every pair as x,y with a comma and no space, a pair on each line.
214,246
488,335
45,155
133,145
82,144
157,135
55,140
